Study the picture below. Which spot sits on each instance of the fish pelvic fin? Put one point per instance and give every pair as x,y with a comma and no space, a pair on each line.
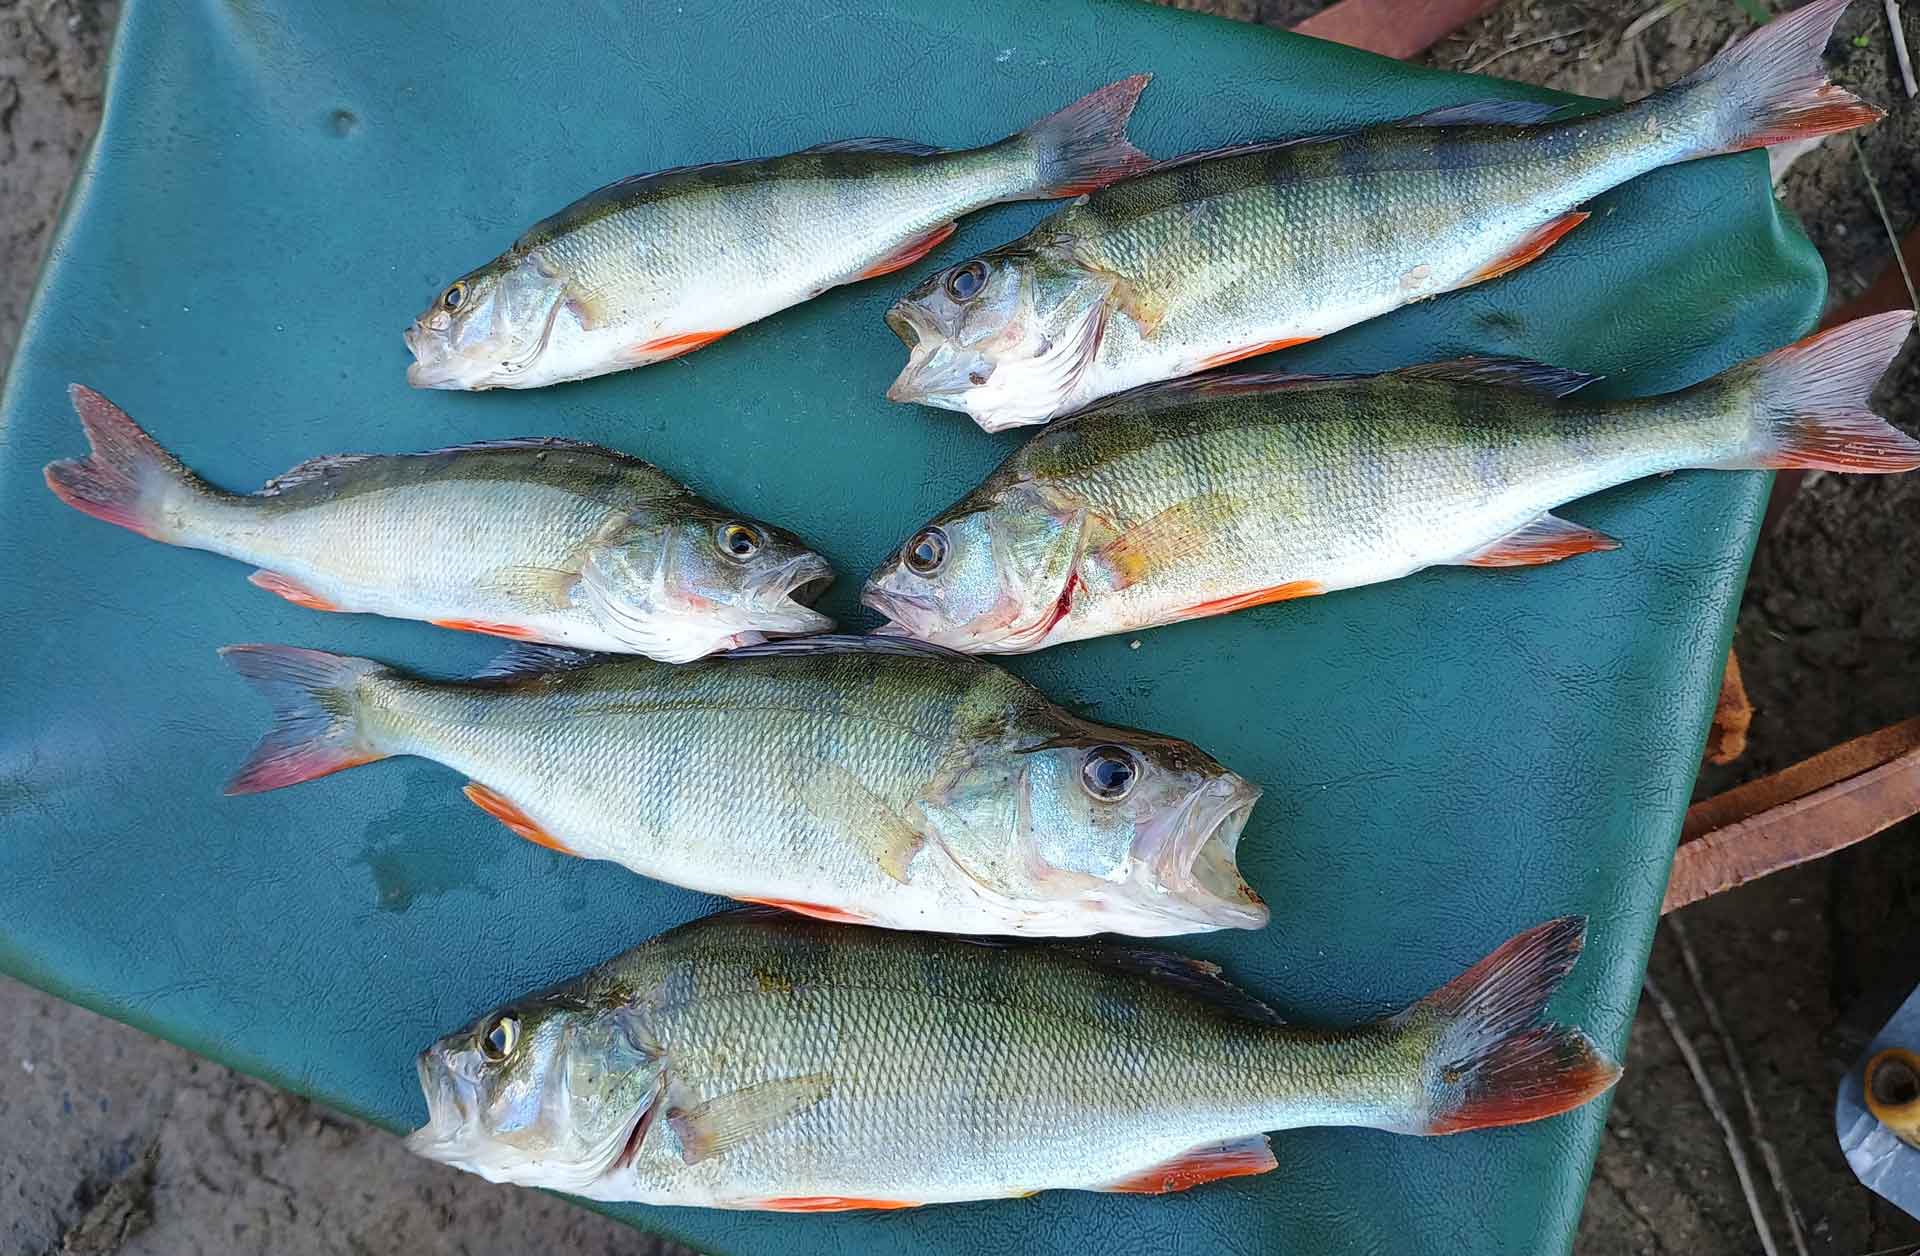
1772,86
1084,147
1490,1059
127,479
1810,401
316,714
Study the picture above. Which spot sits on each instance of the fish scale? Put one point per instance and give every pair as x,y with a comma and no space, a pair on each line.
850,778
1228,254
1199,497
861,1070
660,264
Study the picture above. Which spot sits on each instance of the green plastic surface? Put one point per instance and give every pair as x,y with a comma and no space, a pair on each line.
278,187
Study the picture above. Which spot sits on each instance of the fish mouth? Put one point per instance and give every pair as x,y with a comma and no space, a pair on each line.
937,373
443,1137
796,587
1191,857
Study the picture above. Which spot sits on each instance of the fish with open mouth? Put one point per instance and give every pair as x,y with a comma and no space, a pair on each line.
851,778
538,539
756,1062
658,265
1223,255
1206,495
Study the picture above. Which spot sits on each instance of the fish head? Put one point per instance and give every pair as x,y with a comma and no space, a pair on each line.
549,1091
707,581
1139,828
992,575
488,328
1003,337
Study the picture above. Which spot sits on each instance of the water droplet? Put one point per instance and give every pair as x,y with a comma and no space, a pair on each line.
343,122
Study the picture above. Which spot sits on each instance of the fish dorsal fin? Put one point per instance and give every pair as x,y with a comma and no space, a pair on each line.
527,659
326,464
843,643
1210,386
1246,149
1196,977
1487,113
874,144
1497,372
725,1121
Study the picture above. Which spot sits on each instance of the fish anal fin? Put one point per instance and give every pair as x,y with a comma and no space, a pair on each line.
1241,1157
829,1203
1537,242
508,812
1258,597
816,911
292,590
1547,539
910,252
489,627
1226,356
725,1121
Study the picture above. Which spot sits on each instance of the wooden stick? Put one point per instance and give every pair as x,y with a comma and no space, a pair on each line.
1827,803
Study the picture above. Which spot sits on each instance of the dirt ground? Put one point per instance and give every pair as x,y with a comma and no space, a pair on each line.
117,1143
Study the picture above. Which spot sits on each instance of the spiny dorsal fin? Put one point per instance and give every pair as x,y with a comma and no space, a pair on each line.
319,468
1239,150
1497,372
1204,387
1488,113
843,643
875,144
531,658
1196,977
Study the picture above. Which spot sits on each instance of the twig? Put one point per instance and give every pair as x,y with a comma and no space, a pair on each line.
1512,48
1739,1070
1900,49
1886,223
1711,1098
1647,19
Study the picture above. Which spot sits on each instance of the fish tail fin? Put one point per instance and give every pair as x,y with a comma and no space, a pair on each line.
1810,401
1772,85
1490,1059
1084,147
316,714
126,478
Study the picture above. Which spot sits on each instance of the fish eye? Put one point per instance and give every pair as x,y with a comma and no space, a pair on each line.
500,1038
1108,773
738,540
965,282
927,551
453,296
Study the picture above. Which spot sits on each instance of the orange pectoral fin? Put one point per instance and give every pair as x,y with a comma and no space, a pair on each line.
295,592
1240,1158
675,346
909,253
1537,242
816,911
508,813
480,625
1251,351
1259,597
830,1203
